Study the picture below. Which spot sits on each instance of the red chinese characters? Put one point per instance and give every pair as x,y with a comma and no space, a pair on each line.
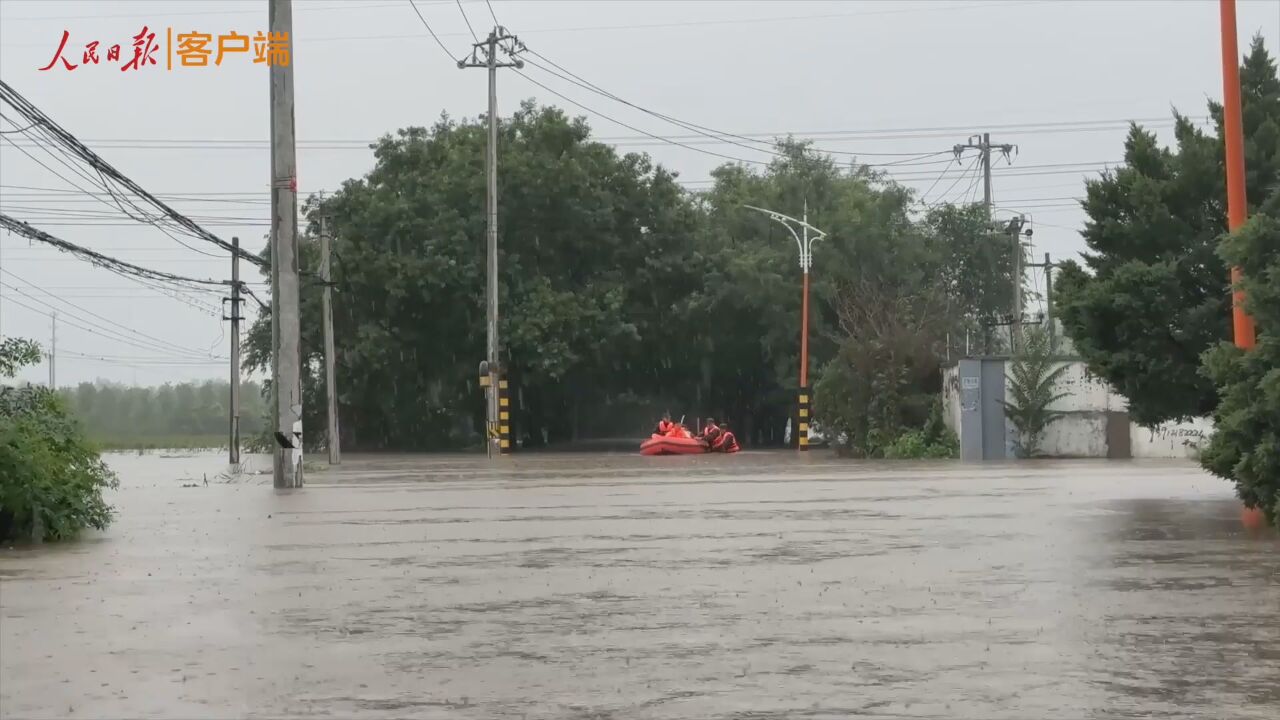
66,34
191,48
144,50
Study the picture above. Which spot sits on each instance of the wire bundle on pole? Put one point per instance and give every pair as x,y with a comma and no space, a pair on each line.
107,173
119,267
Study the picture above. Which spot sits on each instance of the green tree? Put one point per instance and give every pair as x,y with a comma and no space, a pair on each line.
51,479
886,375
1245,446
1155,294
974,264
597,257
17,353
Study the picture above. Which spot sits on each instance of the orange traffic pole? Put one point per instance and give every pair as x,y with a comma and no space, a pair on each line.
1233,130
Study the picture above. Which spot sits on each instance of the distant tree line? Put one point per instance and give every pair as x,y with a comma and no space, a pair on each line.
114,413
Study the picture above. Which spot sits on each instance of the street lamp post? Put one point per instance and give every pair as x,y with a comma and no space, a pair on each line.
804,242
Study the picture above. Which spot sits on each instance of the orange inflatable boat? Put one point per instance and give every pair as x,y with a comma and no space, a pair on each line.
673,445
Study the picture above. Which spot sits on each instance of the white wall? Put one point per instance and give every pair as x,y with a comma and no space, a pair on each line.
1078,435
1085,393
951,398
1171,440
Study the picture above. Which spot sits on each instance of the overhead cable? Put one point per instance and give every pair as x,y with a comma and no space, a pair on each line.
96,258
33,114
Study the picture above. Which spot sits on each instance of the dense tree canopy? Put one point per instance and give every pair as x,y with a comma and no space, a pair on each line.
1155,294
622,293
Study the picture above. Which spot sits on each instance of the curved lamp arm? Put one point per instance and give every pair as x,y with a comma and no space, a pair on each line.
790,223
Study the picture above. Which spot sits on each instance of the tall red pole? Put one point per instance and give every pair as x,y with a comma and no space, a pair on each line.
1233,130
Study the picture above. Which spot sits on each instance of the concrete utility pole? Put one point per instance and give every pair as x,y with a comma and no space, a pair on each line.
983,144
286,374
53,350
485,55
234,440
331,392
1048,297
1048,300
1016,232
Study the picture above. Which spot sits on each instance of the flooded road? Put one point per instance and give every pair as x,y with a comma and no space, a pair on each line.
616,587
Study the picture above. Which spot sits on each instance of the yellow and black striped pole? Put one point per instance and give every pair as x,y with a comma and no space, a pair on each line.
802,418
504,416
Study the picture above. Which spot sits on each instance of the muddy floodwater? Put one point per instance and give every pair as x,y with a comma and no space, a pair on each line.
761,585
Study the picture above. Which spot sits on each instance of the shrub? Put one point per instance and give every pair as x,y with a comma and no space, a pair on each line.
916,445
933,441
51,478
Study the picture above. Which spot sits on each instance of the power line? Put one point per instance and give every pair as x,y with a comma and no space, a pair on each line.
972,191
467,20
925,195
141,362
128,336
971,168
101,183
839,135
125,223
669,140
96,258
116,337
720,135
636,129
79,149
96,213
171,347
435,37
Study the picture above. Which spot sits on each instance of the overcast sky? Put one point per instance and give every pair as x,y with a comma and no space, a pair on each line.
1059,79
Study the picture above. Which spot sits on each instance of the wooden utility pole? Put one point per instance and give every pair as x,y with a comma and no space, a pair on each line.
331,392
234,440
286,360
1237,200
